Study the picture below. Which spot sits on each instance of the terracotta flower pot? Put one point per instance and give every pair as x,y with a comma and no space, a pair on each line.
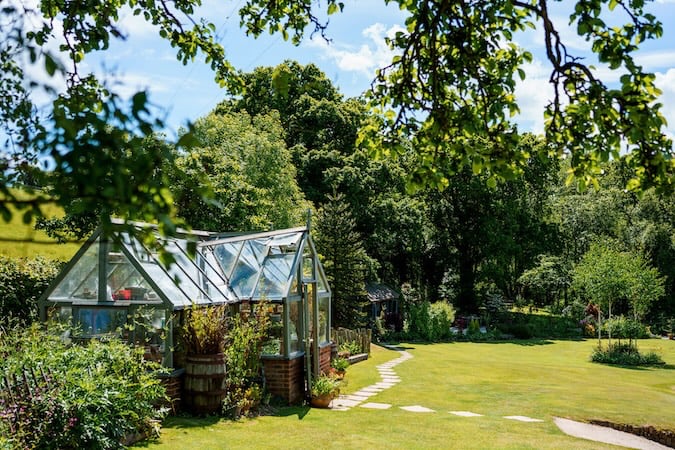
322,401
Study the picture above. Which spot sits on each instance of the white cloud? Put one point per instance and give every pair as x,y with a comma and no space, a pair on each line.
656,60
666,82
135,25
366,58
533,94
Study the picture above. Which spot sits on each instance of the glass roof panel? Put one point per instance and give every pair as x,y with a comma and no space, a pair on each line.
285,240
227,255
244,277
258,249
166,284
213,281
275,276
183,282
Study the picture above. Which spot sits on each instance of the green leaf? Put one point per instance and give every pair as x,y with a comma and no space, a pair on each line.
50,64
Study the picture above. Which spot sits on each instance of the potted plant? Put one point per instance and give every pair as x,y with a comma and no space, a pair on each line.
339,367
324,389
203,334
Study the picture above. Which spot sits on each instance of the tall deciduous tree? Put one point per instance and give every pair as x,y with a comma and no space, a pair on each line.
453,80
490,234
614,279
244,162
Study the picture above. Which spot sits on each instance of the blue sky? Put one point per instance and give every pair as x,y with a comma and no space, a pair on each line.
144,61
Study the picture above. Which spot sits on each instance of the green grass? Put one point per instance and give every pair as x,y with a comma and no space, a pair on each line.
18,239
540,379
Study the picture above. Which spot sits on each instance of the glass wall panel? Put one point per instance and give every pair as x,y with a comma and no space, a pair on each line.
274,344
321,284
307,267
294,320
61,314
98,321
124,281
82,280
324,312
149,330
311,295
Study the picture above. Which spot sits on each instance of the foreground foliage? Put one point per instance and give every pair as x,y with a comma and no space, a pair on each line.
83,396
22,281
94,138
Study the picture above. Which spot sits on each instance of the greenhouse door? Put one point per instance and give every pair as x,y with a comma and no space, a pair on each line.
310,338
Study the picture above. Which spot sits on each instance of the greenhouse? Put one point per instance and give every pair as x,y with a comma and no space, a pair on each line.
117,285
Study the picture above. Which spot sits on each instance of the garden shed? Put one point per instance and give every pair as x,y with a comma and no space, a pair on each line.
116,284
383,299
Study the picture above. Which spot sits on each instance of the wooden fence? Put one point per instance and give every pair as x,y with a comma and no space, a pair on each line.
362,337
17,388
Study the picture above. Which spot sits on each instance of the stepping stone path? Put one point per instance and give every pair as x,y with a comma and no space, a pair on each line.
390,379
577,429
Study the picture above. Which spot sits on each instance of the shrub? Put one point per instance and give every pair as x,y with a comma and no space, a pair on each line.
625,355
575,310
624,328
350,348
91,396
473,328
204,329
22,282
245,340
518,330
442,314
430,322
339,364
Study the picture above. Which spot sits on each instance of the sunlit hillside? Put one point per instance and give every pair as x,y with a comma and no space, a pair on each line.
22,240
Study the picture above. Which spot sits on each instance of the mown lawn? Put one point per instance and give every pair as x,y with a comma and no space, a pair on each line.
18,239
539,379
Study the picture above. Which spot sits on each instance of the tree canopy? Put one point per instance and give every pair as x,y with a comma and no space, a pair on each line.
450,89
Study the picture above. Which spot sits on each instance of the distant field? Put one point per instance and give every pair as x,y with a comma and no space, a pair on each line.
22,240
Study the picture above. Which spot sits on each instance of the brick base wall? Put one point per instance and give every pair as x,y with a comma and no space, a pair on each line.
285,378
324,359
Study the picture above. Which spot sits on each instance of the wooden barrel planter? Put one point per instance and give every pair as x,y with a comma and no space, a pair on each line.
205,386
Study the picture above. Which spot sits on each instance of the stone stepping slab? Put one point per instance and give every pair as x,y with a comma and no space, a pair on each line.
523,419
417,409
345,402
465,414
365,394
373,389
384,384
376,405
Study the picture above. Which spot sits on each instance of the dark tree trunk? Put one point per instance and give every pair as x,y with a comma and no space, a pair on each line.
467,301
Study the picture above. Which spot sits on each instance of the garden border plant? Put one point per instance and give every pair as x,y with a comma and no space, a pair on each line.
93,395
